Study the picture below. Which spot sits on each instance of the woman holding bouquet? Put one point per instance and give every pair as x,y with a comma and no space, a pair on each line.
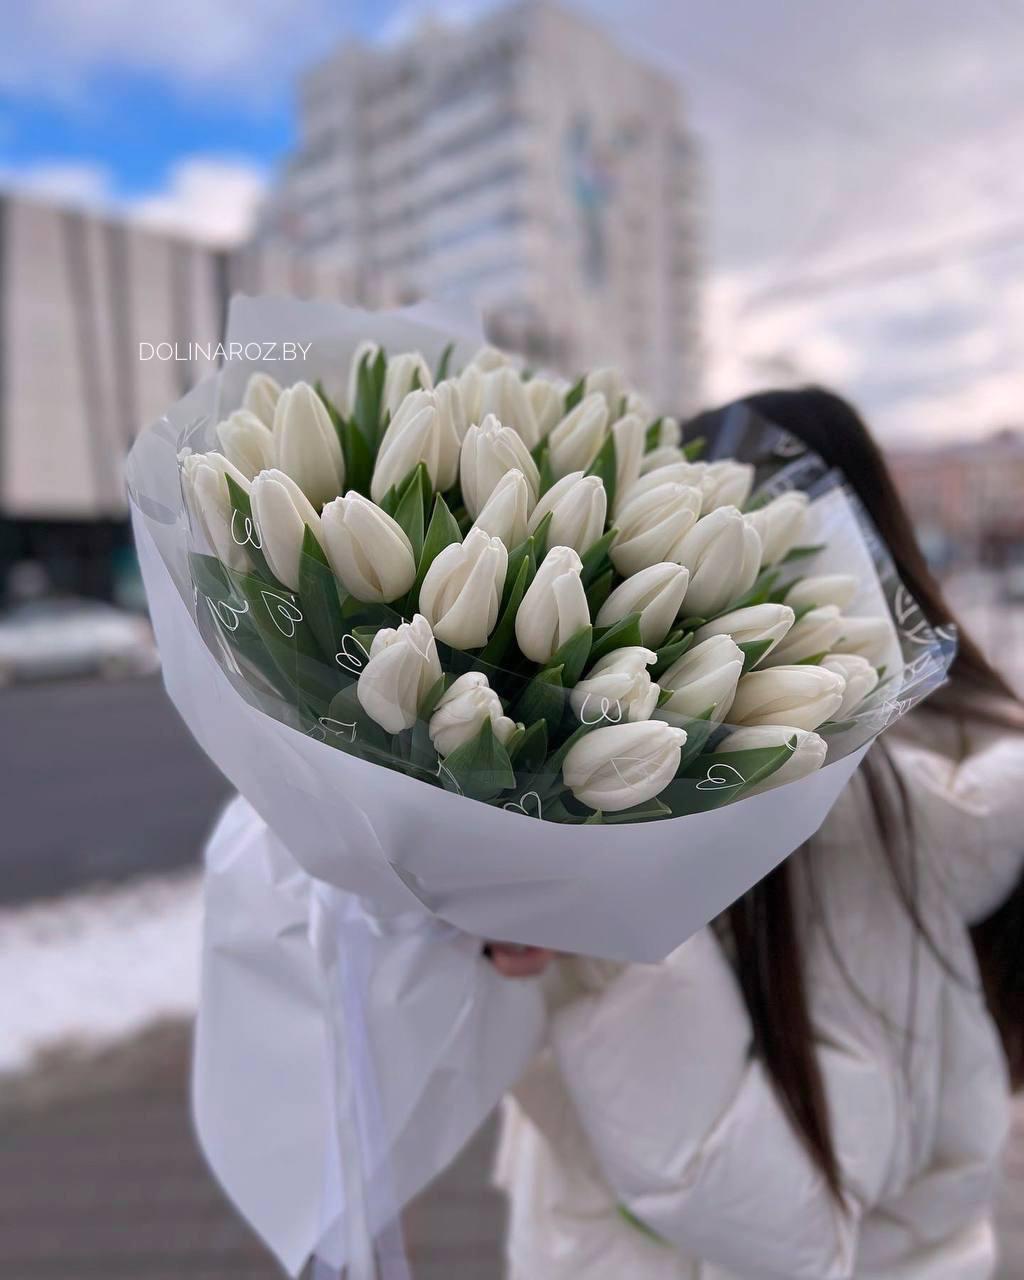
816,1085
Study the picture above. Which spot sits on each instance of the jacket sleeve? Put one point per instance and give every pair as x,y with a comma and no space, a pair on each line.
691,1136
969,816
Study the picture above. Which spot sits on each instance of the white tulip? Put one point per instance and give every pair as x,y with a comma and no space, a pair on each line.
617,687
608,382
803,696
679,472
656,593
262,393
488,452
547,400
670,433
577,505
452,407
367,549
306,445
246,442
665,455
402,670
726,484
422,430
723,554
461,711
461,592
368,351
870,637
471,388
780,524
554,607
639,404
576,441
653,527
813,634
622,765
281,512
506,512
827,588
808,752
629,434
503,393
403,372
751,625
489,358
703,679
860,676
209,503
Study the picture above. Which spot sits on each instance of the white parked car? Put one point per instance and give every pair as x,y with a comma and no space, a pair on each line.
67,636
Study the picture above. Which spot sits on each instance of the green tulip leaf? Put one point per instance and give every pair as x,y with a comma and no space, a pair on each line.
479,769
619,635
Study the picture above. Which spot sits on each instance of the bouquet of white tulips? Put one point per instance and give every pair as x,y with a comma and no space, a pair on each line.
509,652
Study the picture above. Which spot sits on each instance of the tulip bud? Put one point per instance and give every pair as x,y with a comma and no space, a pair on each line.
860,676
451,406
629,434
703,679
752,625
368,351
462,589
780,524
488,452
489,358
828,588
281,512
608,382
803,696
723,554
641,406
367,550
618,687
306,445
262,393
554,607
670,433
209,503
461,711
653,527
405,372
726,484
813,634
246,442
471,388
422,430
808,752
506,512
578,505
402,670
576,441
665,455
680,472
656,593
870,637
503,393
622,765
547,400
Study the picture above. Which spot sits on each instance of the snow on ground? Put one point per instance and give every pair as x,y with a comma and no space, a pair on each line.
97,967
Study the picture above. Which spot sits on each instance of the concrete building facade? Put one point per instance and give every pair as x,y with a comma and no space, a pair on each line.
524,162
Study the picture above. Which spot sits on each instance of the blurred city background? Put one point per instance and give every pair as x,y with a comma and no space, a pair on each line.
719,198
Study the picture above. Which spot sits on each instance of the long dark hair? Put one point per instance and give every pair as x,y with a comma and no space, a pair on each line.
762,924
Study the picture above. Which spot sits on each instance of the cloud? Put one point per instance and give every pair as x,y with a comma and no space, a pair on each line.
204,197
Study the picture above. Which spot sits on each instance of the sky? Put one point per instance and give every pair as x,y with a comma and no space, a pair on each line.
864,165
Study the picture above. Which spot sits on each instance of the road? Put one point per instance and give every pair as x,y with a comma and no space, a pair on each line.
100,781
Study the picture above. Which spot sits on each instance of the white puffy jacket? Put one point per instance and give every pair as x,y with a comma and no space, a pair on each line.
649,1101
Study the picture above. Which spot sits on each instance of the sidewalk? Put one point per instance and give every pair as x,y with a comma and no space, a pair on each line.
100,1179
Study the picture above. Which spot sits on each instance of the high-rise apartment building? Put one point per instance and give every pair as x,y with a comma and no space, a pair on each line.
524,162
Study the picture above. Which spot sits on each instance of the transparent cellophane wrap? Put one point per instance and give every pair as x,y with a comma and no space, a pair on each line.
265,678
